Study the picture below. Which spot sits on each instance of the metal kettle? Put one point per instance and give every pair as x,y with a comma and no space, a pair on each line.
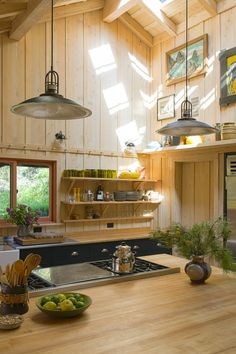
123,259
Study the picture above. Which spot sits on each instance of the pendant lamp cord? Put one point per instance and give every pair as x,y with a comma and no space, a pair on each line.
52,35
186,53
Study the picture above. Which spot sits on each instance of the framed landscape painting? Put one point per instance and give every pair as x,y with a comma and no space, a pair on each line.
166,107
227,76
197,60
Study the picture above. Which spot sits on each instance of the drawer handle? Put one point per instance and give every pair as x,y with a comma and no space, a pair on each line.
74,254
136,247
104,250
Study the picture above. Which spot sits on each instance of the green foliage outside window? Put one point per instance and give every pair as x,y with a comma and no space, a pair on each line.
32,188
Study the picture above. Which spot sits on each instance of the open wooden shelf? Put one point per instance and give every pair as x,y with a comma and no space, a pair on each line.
103,206
113,202
109,179
130,218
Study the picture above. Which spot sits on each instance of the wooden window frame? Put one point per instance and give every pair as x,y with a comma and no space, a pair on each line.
52,165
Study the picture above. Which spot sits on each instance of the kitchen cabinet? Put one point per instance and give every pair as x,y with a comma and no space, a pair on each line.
107,211
79,253
141,247
60,254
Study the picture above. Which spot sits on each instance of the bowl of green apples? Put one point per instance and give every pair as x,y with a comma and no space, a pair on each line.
63,304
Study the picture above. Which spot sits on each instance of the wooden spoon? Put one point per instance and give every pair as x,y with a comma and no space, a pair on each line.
28,257
8,274
19,272
32,263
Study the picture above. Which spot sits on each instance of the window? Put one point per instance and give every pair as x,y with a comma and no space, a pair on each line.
28,182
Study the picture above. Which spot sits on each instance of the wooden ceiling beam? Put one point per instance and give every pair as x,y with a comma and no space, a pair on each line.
10,9
162,19
225,5
67,2
193,21
13,1
5,25
75,9
115,8
135,27
24,21
210,6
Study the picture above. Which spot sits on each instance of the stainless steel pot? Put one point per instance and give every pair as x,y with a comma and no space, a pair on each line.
123,259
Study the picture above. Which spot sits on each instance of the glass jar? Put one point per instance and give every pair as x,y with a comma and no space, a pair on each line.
90,196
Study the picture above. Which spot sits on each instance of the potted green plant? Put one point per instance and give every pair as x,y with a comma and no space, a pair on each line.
204,239
24,217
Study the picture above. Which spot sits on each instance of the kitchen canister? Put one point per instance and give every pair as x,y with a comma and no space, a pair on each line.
228,131
14,299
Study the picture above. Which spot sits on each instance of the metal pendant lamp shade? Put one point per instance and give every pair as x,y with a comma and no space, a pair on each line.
51,105
186,125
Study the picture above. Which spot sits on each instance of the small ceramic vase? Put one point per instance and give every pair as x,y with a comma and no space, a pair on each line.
198,270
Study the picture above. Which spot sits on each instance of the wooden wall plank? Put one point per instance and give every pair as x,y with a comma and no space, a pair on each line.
125,77
13,76
35,74
165,207
75,77
109,80
188,194
141,76
54,126
92,100
202,191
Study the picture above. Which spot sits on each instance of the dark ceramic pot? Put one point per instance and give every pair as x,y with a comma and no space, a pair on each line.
198,270
14,300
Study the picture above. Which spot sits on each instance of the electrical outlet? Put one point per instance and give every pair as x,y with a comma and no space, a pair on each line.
110,225
37,229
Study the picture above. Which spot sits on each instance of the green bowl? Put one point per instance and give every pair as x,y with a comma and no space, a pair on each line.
63,314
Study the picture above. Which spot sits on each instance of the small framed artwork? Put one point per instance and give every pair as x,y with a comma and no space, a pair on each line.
197,60
227,76
166,107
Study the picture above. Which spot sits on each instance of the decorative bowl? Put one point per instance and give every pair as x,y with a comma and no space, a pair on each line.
64,313
11,321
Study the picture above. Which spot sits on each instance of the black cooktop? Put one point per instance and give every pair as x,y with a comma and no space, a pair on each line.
141,266
50,277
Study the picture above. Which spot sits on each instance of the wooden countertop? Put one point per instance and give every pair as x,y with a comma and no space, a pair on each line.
109,234
159,315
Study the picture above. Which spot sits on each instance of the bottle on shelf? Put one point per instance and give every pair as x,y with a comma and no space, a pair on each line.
99,193
76,194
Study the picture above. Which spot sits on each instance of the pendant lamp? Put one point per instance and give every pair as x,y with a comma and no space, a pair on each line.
51,105
186,125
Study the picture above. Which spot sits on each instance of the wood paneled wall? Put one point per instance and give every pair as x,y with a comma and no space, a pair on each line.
221,35
192,182
23,66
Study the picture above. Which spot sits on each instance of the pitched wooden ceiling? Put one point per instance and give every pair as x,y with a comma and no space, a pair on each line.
151,20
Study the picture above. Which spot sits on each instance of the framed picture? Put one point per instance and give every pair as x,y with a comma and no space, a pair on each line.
197,60
227,76
166,107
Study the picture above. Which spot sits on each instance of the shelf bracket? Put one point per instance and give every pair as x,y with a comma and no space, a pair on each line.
137,184
103,208
72,183
136,208
71,211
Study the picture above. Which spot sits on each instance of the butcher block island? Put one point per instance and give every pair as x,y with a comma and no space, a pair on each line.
164,314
